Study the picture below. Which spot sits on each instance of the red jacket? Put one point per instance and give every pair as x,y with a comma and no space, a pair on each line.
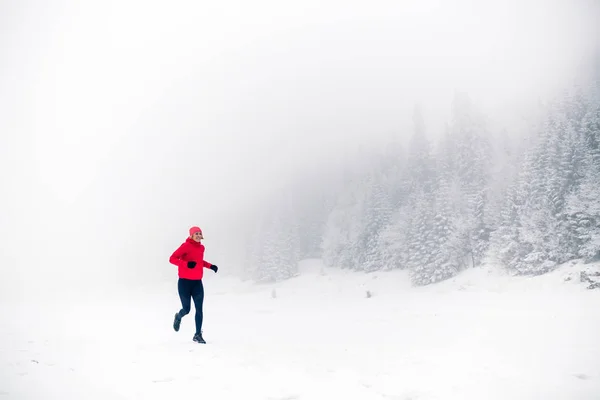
190,250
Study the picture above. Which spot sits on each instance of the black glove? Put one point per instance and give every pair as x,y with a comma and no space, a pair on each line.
191,264
214,268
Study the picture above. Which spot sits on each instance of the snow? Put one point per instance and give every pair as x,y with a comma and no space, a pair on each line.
480,335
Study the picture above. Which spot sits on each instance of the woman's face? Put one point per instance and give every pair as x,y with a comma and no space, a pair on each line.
197,236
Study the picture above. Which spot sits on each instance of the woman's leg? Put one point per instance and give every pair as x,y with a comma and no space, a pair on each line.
198,296
184,287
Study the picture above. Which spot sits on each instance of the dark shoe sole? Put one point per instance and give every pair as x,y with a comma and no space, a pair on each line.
199,341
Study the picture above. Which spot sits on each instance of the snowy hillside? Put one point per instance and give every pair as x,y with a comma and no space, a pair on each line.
320,335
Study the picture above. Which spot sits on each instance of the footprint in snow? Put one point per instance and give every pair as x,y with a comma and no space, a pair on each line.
581,376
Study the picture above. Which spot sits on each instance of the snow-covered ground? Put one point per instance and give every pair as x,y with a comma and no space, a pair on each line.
318,336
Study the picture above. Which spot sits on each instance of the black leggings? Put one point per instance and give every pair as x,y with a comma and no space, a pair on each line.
188,290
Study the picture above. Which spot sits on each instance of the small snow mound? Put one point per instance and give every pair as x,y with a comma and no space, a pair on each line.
311,266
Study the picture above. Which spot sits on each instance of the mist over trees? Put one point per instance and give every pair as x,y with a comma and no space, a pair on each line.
477,195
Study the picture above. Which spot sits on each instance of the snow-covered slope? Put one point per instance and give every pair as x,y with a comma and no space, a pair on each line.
326,334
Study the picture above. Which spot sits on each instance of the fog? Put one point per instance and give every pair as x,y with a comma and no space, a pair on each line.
124,123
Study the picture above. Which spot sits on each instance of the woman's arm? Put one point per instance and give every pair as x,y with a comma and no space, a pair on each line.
176,257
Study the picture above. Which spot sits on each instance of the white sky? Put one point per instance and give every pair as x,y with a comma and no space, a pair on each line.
124,122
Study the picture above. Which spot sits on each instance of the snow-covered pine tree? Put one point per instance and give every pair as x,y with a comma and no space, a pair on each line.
401,241
503,173
455,234
280,251
314,198
341,245
254,249
505,246
583,204
378,210
392,243
472,159
421,243
434,249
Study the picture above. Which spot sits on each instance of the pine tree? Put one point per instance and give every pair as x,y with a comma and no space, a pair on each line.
392,243
472,163
583,204
377,214
341,239
421,243
280,250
